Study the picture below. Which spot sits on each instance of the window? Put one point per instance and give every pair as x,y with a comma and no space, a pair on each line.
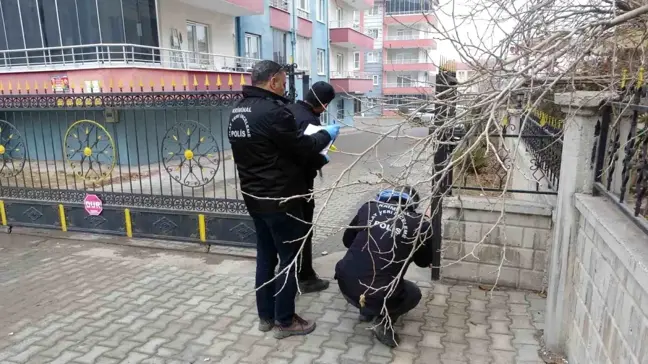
198,42
374,11
252,46
357,106
372,57
303,8
339,63
339,18
321,61
373,33
405,34
321,10
356,19
303,53
356,60
376,80
404,81
40,23
279,46
340,109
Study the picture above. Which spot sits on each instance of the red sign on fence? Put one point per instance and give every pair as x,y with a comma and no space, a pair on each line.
93,205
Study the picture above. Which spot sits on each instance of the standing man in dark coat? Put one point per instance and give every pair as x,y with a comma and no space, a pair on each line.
306,113
270,153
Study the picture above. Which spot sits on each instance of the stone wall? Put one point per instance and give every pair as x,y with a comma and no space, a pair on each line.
488,242
607,291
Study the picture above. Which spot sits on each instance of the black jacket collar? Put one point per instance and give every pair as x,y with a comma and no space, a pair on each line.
308,107
253,91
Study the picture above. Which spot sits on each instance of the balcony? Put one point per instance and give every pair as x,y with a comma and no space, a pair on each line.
347,35
408,88
408,64
409,41
280,14
358,4
93,56
351,82
410,17
230,7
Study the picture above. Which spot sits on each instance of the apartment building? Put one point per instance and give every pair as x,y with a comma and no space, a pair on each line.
348,44
289,31
90,43
402,63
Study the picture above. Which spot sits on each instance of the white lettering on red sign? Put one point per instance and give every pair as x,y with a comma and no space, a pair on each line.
93,205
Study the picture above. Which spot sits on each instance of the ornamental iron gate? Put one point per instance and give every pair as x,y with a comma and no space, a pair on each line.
159,164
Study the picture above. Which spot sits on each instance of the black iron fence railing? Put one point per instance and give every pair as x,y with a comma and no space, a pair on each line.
620,158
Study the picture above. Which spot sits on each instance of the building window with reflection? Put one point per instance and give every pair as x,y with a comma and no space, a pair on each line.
50,32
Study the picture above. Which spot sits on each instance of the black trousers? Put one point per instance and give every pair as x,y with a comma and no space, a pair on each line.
306,270
407,300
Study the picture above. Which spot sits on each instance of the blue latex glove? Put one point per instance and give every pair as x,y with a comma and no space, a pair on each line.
327,158
333,130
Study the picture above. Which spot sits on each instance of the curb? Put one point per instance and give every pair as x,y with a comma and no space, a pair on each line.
236,252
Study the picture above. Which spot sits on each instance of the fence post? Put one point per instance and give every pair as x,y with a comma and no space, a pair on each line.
446,81
576,176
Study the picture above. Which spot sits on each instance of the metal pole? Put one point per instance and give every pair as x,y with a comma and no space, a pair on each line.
445,80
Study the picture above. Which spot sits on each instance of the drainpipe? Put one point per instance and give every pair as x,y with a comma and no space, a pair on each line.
328,52
237,31
293,32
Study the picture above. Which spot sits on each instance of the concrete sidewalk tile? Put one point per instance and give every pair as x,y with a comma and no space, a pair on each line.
157,311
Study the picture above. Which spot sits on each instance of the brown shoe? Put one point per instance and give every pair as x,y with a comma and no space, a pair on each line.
299,326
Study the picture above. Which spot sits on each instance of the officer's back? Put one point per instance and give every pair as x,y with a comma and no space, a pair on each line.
267,146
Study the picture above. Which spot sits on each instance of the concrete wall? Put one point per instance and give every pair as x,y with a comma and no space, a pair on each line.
480,235
607,295
175,14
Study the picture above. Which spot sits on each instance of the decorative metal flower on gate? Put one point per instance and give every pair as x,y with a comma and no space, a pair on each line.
12,150
89,150
190,154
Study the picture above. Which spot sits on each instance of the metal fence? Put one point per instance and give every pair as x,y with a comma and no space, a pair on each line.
620,155
159,163
541,141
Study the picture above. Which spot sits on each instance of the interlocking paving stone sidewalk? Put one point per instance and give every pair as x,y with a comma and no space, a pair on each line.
81,302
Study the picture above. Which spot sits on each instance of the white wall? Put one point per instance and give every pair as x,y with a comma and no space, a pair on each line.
375,22
607,298
175,14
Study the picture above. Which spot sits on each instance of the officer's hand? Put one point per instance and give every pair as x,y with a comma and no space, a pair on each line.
327,158
333,130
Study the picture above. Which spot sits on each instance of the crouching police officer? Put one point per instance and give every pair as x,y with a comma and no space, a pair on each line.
270,153
384,237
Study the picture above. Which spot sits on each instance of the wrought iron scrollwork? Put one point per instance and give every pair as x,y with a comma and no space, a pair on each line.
89,150
123,100
190,154
12,150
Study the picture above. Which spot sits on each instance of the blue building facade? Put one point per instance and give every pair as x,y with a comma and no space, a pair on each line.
258,38
373,97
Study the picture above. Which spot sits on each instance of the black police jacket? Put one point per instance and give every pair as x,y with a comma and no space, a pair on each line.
376,254
305,115
269,150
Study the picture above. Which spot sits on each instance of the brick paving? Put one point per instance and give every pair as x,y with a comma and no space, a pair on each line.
64,301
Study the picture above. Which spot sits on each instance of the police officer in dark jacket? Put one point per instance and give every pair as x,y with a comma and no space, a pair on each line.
380,240
306,113
270,153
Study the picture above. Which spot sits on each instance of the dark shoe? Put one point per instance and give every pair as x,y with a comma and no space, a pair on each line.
265,325
299,326
386,335
313,285
365,318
